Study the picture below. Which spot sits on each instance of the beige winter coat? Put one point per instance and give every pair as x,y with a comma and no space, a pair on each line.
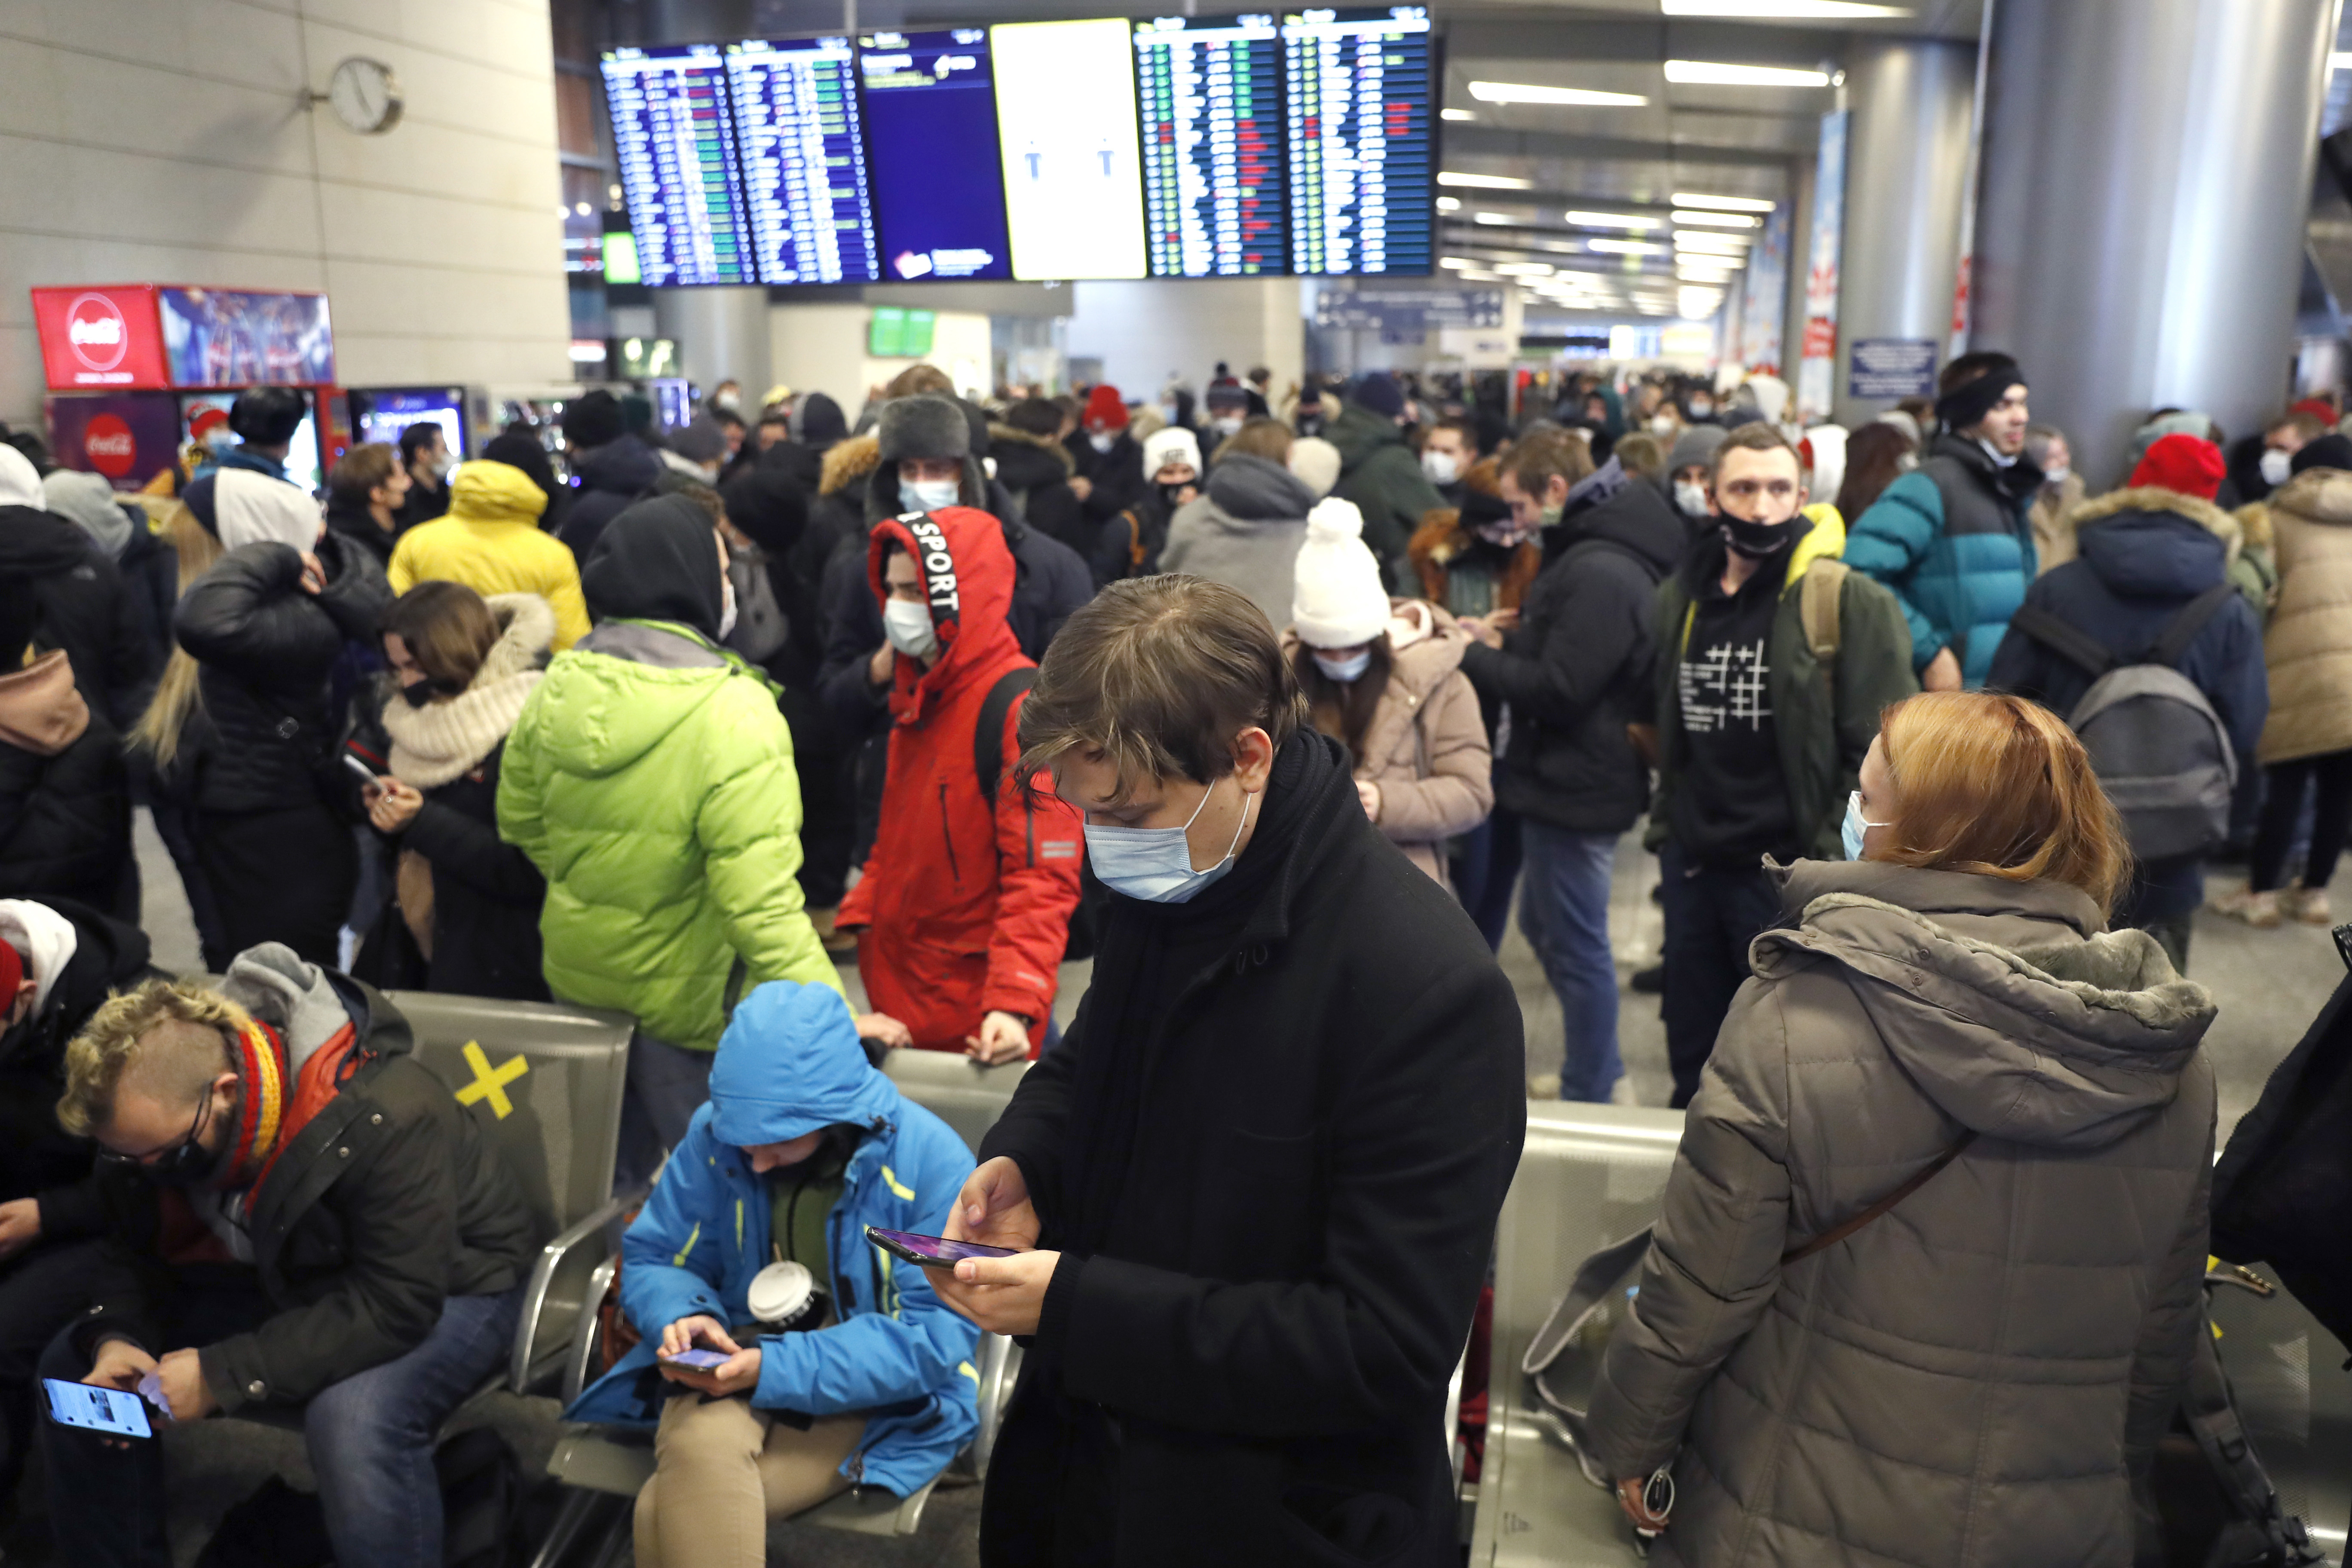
1970,1380
2308,646
2054,536
1426,747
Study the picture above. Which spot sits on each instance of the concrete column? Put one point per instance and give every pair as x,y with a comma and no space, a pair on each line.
720,332
2139,237
1906,162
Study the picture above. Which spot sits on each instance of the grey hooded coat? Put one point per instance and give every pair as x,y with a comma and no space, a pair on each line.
1969,1380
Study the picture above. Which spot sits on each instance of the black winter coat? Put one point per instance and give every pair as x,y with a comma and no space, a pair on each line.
1036,470
36,1156
608,478
150,572
1271,1161
84,608
1580,666
268,651
386,1203
358,525
1116,476
487,894
65,821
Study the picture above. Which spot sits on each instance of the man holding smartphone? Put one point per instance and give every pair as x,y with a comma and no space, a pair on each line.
1258,1180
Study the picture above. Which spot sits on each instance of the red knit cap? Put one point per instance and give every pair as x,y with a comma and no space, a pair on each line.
2189,464
2319,408
11,976
1104,409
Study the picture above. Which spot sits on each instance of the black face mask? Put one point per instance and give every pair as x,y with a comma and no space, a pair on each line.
1756,540
425,692
1173,495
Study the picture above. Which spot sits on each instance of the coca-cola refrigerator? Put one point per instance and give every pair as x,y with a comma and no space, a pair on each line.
135,370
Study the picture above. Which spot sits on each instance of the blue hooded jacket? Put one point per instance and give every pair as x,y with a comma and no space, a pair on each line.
789,1064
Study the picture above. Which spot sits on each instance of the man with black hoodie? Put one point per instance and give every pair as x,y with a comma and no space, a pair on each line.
81,604
1033,464
1572,669
613,467
1256,1185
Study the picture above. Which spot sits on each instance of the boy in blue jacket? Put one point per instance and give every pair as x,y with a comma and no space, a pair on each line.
802,1145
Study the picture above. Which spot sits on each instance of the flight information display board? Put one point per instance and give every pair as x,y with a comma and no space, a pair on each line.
931,120
805,189
1362,147
1065,126
676,143
1211,95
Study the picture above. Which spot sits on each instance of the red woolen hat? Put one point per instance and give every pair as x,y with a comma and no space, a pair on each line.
11,976
2319,408
2189,464
1105,411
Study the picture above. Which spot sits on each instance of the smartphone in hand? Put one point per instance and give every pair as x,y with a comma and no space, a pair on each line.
933,1251
700,1360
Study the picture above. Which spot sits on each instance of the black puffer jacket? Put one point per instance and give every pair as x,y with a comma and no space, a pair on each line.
384,1204
609,477
1116,476
1038,470
85,609
354,521
65,808
269,649
1580,666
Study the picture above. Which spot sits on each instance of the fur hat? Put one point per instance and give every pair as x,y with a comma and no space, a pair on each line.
1316,463
1105,409
1337,599
2187,464
925,426
1174,444
2329,452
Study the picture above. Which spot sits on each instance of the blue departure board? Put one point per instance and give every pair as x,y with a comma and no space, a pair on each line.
1361,150
676,142
1210,94
931,120
805,180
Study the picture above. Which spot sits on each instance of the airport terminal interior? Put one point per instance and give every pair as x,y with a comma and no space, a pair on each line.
1562,783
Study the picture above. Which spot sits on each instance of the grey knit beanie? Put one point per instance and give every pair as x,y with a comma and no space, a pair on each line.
1695,448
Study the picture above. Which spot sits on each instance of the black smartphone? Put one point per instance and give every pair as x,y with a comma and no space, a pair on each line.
933,1251
109,1410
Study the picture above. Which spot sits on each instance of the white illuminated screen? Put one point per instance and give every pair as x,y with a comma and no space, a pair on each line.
1065,121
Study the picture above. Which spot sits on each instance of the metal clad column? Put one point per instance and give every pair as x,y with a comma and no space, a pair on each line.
720,332
1907,164
2139,240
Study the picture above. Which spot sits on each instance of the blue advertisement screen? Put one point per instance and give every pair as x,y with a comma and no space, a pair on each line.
930,124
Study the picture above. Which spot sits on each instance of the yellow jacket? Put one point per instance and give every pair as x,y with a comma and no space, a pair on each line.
490,540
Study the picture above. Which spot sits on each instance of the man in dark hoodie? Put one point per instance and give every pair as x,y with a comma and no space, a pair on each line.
81,603
613,467
1109,461
2145,554
1037,468
1761,742
1379,472
1575,666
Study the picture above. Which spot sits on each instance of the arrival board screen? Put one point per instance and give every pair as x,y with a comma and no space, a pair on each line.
931,118
676,143
803,160
1361,149
1066,126
1213,175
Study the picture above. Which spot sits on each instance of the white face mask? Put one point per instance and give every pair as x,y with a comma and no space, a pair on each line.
1662,424
1226,425
1690,496
726,605
2056,476
1104,440
1855,825
1348,670
907,624
926,495
1154,865
729,402
2277,467
1701,409
1440,468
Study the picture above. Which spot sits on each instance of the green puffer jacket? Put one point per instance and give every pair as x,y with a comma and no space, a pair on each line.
650,778
1380,475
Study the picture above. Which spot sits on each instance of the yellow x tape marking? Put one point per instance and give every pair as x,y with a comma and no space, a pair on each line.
490,1083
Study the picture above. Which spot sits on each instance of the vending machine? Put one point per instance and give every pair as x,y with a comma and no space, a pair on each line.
136,370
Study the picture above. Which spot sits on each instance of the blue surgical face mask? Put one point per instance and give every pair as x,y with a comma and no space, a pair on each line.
1344,670
1155,864
926,495
1850,831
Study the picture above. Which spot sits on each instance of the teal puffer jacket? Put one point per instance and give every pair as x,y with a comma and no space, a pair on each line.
650,778
1956,552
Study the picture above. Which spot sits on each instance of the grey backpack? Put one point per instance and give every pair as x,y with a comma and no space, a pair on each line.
2158,746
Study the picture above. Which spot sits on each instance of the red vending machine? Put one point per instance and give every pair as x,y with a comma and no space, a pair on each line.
136,370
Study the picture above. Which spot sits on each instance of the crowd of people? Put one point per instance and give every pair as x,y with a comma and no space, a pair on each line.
1274,706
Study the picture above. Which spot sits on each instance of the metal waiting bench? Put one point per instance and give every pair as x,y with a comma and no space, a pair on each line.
598,1464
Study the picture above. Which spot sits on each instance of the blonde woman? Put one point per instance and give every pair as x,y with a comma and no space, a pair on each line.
1928,1267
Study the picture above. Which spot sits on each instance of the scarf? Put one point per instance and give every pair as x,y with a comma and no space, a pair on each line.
271,1112
443,741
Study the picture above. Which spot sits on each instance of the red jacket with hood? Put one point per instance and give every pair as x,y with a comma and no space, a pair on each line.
966,903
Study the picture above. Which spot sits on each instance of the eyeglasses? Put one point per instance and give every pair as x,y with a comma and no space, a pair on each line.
170,1154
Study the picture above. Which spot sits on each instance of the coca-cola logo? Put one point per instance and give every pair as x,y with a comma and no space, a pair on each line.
97,332
108,444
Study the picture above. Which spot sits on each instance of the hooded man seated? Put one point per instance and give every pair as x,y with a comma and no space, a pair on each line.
842,1368
300,1214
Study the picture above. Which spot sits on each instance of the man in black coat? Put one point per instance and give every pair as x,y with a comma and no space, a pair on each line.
298,1218
1255,1186
1575,666
84,606
612,468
